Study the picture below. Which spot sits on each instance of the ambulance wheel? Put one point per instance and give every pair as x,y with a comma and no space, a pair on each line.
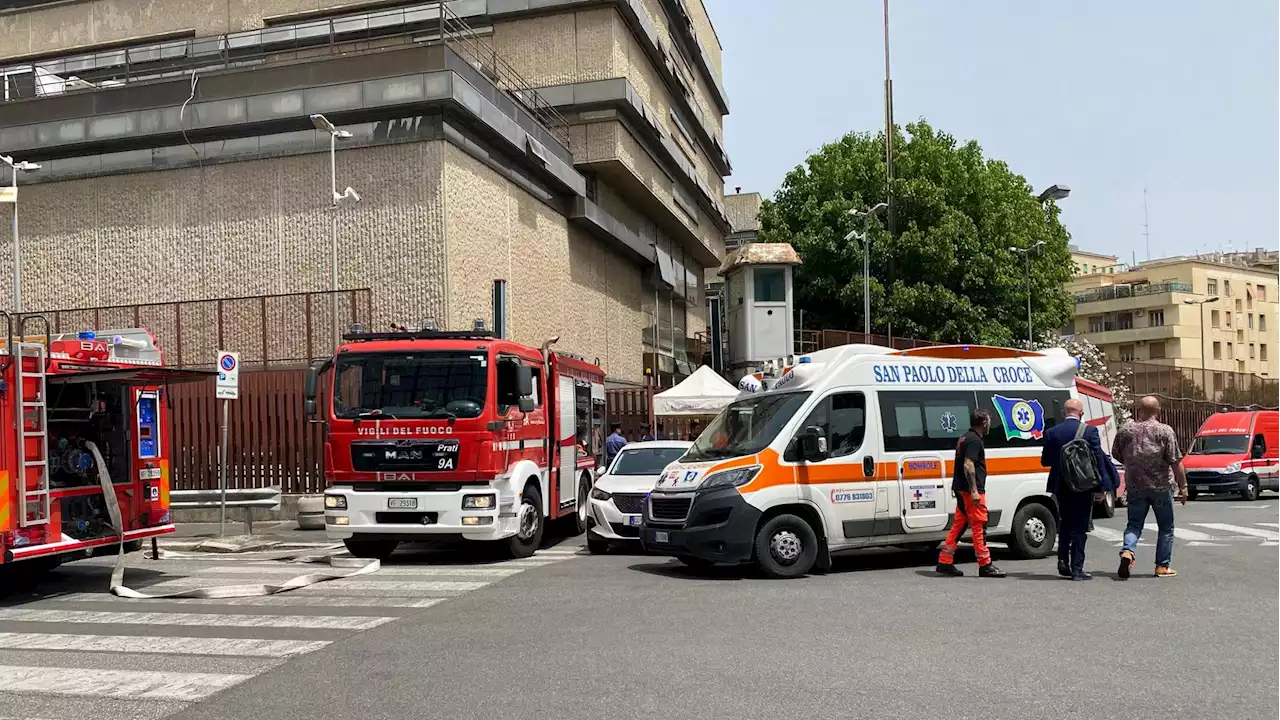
1034,531
1252,490
786,547
371,549
529,524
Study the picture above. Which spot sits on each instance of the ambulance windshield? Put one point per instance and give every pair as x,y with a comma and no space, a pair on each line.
401,385
746,427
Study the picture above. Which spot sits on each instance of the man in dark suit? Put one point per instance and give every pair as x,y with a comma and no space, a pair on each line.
1075,509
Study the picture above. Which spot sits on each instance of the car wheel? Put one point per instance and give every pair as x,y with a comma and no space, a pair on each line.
1034,531
597,546
529,525
1105,508
1252,490
371,549
786,547
696,563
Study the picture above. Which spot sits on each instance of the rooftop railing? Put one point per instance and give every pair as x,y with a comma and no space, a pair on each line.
1115,292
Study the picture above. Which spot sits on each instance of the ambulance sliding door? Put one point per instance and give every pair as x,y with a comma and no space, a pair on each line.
921,430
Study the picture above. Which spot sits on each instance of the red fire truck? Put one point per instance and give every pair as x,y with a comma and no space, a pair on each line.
65,392
455,435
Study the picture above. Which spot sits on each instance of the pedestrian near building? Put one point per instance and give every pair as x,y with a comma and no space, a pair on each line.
1078,468
1148,449
969,483
614,443
695,429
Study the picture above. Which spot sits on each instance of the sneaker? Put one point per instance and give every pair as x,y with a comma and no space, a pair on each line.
1081,576
1126,565
1164,571
991,571
949,570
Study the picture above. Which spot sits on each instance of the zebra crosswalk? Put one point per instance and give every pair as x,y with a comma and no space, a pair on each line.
1200,532
77,653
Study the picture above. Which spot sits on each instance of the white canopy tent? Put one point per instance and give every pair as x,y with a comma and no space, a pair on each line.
702,393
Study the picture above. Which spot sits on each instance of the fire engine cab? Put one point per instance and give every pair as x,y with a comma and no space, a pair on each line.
82,403
455,435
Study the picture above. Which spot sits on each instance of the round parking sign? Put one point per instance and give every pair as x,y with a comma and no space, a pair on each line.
228,363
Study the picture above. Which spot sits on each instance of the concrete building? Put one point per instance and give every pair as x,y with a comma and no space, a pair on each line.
179,161
743,210
1091,263
1152,314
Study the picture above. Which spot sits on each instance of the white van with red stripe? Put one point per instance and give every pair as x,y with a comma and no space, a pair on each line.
854,447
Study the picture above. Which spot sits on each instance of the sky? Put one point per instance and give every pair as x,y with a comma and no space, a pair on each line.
1108,98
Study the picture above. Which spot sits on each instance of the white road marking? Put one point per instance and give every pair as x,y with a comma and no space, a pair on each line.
1274,525
283,600
1248,507
287,571
126,684
1197,543
342,587
1107,534
1184,533
233,647
312,622
557,551
1242,530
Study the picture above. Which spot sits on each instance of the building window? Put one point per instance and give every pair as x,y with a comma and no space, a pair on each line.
1250,321
1215,319
770,284
1239,305
1262,322
1251,351
1155,318
1126,353
1217,350
1096,324
1226,287
1124,321
1248,296
1262,352
1155,350
1230,351
1212,288
1228,315
1262,293
1217,382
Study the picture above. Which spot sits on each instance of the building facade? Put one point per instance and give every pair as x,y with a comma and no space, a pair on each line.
572,150
1196,313
1091,263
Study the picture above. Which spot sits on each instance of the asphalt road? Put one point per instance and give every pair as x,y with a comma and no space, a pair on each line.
568,635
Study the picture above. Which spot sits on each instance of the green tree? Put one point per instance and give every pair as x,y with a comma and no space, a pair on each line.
956,214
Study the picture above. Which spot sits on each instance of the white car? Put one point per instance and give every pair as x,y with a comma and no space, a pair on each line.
617,500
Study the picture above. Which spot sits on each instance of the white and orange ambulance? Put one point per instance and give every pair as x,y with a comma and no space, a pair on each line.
854,447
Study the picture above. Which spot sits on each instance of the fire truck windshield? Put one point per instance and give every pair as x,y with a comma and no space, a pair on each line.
400,385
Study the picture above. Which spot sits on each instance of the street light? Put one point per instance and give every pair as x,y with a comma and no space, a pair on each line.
24,166
1202,302
1026,253
866,264
323,125
1054,192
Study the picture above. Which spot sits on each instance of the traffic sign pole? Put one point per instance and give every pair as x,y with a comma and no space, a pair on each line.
226,389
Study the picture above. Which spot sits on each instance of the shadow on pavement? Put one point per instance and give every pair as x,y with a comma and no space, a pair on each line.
676,569
20,585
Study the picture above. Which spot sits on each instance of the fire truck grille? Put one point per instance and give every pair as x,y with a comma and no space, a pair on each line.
405,456
628,504
669,509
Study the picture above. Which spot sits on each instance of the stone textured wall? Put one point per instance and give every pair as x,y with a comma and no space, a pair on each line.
231,230
560,280
707,34
743,210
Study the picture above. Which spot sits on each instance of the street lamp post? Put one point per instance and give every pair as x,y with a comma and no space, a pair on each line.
17,166
1026,253
1054,192
1203,355
323,125
866,264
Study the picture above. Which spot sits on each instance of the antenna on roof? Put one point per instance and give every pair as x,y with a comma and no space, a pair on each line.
1146,224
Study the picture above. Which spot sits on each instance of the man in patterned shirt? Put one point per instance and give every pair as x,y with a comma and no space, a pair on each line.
1152,462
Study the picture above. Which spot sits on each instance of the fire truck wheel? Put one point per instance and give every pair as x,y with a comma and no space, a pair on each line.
371,549
577,524
529,529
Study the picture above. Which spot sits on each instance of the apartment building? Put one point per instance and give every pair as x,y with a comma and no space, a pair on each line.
571,150
1091,263
1187,312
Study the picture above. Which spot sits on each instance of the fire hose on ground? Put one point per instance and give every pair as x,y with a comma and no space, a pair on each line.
118,588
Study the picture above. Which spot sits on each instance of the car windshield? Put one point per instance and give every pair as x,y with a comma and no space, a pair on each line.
1220,445
746,426
645,461
437,384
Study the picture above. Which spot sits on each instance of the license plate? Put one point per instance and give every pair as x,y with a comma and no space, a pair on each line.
1202,488
662,537
402,503
633,520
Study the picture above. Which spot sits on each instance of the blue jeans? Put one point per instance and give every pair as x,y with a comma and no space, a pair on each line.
1161,501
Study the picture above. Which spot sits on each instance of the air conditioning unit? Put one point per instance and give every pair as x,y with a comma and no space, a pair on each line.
1139,311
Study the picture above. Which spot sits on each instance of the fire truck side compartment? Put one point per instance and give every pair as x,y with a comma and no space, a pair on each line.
78,413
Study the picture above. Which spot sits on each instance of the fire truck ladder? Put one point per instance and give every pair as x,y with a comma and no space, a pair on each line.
35,500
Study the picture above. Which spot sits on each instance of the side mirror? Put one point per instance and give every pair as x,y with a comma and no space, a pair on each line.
524,382
309,408
309,383
526,404
813,444
868,466
1257,452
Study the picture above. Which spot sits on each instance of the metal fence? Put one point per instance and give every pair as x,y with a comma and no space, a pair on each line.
268,331
1217,387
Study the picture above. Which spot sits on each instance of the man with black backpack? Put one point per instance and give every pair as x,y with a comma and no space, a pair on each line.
1078,468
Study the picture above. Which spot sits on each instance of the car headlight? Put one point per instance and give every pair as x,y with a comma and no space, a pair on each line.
737,477
477,502
1234,467
335,502
598,494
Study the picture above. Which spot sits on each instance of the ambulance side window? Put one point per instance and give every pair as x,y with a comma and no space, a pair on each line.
842,418
917,421
1019,418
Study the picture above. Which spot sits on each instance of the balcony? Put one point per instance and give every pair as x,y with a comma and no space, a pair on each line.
1112,334
1116,298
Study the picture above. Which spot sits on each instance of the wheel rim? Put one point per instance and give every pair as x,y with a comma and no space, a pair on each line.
1110,500
582,504
1253,489
785,546
528,521
1035,531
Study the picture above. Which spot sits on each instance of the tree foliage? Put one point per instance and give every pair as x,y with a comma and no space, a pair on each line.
946,273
